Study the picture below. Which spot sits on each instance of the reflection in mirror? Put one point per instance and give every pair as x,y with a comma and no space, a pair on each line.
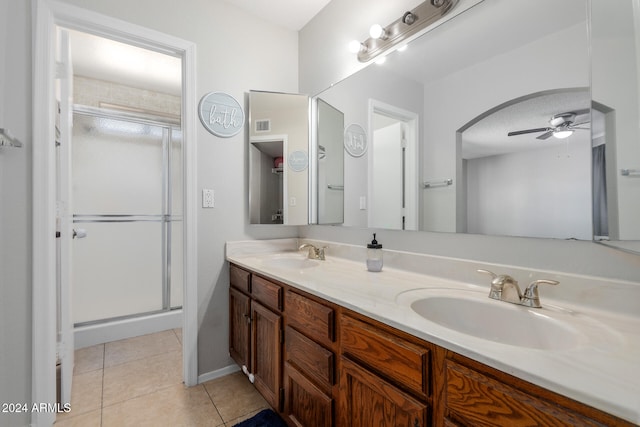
330,167
393,190
278,158
615,50
468,84
529,181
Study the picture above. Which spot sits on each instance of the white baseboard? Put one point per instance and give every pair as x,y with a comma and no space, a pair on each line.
86,336
218,373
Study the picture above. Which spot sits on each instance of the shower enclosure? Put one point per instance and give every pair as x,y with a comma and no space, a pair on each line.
127,215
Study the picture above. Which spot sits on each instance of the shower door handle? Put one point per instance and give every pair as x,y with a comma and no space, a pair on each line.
79,233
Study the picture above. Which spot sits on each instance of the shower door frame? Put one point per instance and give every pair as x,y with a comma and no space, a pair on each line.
166,218
47,16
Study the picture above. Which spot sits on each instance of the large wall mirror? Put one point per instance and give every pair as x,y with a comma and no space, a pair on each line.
490,116
278,158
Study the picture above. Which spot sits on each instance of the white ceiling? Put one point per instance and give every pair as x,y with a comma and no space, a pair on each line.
290,14
489,136
108,60
105,59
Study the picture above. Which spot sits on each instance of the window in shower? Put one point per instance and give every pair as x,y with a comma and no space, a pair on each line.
127,198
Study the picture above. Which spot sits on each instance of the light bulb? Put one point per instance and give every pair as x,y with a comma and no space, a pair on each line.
376,31
562,134
355,46
403,48
381,60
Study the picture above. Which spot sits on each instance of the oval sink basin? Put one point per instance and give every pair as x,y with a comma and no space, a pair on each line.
499,321
293,262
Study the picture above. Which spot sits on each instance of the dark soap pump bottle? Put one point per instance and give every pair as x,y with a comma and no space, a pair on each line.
374,255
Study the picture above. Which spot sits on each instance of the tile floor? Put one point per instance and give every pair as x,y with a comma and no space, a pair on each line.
138,382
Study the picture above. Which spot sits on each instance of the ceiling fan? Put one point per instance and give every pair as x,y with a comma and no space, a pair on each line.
562,126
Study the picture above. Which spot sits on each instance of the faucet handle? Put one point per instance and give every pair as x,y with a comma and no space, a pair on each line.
321,253
531,298
490,273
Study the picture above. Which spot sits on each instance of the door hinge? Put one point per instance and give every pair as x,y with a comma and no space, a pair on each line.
58,235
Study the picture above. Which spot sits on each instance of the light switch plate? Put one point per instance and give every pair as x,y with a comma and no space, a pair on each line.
207,198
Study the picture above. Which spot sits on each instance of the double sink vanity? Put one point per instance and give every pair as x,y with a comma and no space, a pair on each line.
421,343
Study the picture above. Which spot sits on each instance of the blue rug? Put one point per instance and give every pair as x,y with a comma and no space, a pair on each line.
265,418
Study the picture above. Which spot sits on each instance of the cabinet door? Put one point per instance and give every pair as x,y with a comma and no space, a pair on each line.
239,327
367,400
266,352
305,405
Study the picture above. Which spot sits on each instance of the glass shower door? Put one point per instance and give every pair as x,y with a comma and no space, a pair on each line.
122,181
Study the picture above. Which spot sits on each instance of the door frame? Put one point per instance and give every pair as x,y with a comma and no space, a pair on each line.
47,15
412,123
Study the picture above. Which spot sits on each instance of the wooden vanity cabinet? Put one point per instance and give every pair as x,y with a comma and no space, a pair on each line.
340,368
473,394
385,376
240,327
310,365
367,399
255,331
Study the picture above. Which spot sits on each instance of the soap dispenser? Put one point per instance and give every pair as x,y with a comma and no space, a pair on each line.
374,255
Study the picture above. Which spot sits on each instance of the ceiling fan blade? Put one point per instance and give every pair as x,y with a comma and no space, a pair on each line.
581,112
574,127
545,135
580,123
522,132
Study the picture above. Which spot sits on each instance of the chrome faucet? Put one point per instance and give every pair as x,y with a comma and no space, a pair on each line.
314,252
505,288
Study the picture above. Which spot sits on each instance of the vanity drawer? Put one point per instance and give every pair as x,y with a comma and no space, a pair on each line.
387,354
239,278
315,319
473,398
268,293
309,357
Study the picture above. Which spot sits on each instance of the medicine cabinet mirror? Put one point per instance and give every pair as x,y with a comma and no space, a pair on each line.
278,158
469,86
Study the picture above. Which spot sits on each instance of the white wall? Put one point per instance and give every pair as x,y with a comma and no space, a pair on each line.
235,53
536,193
318,71
15,209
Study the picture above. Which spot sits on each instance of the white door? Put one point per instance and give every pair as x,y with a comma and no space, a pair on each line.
64,217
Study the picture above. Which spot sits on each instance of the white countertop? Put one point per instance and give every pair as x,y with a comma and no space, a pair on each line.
603,371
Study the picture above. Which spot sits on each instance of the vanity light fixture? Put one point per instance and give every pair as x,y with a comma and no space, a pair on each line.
355,46
378,32
382,39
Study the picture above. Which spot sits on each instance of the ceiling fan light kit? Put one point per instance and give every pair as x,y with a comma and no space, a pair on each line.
562,126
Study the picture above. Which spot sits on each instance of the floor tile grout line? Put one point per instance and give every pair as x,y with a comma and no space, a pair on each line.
104,355
139,395
214,404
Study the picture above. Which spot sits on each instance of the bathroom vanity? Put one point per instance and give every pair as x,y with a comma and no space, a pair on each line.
327,343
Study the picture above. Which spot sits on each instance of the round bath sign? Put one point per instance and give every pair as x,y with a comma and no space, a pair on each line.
355,140
221,114
298,161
